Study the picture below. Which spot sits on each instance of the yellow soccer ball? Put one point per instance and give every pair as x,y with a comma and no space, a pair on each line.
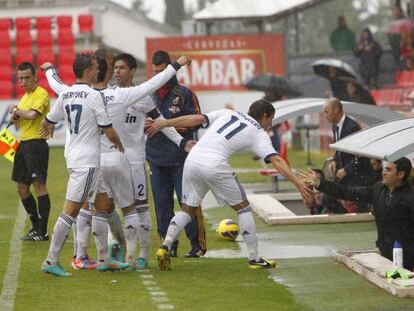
227,230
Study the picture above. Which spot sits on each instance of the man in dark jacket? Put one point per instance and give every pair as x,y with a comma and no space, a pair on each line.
347,169
393,206
166,160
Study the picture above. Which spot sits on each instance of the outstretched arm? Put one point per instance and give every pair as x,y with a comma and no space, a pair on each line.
131,95
154,126
280,164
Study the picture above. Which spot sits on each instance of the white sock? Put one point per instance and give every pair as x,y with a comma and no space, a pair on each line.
84,224
75,237
60,234
248,231
100,234
115,225
177,224
131,233
144,229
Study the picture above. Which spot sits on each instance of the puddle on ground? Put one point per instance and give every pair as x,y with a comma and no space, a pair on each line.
272,250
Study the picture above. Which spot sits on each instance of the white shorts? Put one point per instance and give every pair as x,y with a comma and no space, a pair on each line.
139,180
116,181
82,184
222,182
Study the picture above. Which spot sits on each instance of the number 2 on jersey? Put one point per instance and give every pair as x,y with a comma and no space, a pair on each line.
233,132
74,111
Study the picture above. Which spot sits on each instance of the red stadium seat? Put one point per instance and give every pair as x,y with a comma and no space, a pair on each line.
22,23
5,40
6,59
64,22
405,78
6,73
66,57
45,55
44,39
66,40
5,24
44,84
85,22
24,55
44,23
23,39
391,98
6,90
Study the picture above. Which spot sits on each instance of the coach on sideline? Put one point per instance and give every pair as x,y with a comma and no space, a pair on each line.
166,160
32,156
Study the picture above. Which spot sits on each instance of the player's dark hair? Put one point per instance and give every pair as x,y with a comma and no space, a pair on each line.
27,65
103,68
81,63
128,59
161,57
404,165
260,108
319,171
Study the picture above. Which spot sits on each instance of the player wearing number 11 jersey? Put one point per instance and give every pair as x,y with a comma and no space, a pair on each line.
207,168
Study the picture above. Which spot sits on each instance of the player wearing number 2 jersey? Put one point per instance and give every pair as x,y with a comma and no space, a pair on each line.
206,168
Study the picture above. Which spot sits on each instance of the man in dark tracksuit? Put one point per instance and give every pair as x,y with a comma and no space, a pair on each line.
166,160
393,206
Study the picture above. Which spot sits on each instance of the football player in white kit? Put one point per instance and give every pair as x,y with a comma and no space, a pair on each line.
85,114
206,168
115,184
125,66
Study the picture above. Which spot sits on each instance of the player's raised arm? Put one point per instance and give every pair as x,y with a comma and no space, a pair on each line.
53,78
154,126
131,95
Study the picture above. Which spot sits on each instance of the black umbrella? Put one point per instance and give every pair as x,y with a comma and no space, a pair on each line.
321,68
272,83
361,95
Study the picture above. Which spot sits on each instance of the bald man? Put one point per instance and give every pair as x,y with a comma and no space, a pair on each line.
347,169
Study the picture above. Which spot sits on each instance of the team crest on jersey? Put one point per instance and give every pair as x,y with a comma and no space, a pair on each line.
174,108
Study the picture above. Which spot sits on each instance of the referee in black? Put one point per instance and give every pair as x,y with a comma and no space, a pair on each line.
32,156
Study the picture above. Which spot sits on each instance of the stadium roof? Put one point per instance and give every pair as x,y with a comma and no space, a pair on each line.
253,9
386,141
369,114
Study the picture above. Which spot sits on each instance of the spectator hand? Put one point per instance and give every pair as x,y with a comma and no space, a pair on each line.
340,174
332,167
189,145
309,177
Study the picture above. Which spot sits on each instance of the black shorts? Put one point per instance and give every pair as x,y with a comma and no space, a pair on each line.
31,161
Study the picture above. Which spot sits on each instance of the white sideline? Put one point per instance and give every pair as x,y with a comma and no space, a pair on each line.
15,255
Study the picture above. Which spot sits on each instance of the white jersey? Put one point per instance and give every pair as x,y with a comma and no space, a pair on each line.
119,99
230,131
85,113
134,142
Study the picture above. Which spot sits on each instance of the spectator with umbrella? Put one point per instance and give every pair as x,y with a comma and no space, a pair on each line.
333,69
356,92
275,88
369,51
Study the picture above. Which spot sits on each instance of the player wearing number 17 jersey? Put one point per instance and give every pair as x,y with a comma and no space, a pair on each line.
207,168
85,114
